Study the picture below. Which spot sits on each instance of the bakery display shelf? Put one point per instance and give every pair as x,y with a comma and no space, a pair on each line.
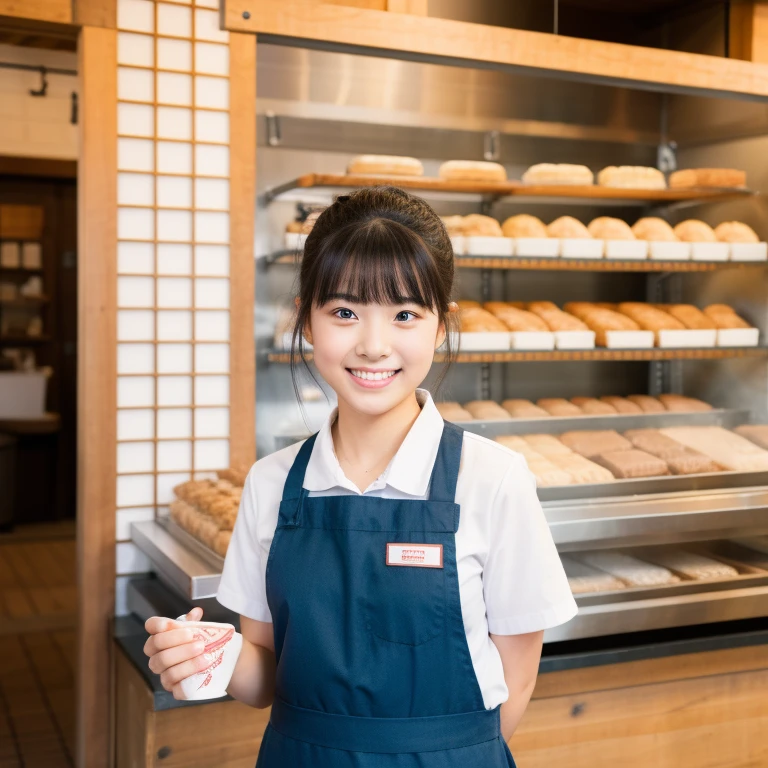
206,554
176,564
558,264
556,193
598,355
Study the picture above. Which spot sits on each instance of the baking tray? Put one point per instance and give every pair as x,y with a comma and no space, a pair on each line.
190,542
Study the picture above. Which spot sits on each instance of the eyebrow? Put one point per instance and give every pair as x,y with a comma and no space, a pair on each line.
357,300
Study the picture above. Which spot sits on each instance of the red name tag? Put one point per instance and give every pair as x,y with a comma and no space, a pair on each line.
419,555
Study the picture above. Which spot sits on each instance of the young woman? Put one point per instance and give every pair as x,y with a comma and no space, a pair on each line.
394,574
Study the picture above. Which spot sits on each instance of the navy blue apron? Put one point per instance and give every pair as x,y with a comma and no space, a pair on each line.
373,666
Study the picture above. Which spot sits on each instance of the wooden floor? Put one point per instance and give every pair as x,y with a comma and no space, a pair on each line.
38,613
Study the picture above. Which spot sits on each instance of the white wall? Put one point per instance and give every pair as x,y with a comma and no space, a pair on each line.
37,126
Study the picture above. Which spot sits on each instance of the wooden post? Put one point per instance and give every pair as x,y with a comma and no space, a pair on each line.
748,31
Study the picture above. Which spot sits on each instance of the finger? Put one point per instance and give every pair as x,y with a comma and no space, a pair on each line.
176,655
156,624
195,614
179,672
169,639
178,693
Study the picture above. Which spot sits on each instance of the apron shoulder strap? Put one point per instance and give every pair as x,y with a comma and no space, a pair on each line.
295,479
445,473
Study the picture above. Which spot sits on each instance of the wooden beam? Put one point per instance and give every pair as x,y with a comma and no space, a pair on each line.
415,7
479,45
95,13
242,201
56,11
748,31
97,388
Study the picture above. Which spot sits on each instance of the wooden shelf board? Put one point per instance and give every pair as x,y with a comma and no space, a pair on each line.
27,301
22,341
599,354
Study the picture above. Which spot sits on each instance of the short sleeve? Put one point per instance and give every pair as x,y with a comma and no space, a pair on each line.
242,588
524,584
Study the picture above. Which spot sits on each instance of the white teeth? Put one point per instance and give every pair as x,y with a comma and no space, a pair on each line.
373,376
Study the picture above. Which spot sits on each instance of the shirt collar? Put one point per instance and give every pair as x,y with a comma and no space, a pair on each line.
409,470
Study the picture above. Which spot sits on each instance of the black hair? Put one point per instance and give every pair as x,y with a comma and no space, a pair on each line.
384,246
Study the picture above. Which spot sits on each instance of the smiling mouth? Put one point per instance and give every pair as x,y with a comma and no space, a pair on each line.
370,376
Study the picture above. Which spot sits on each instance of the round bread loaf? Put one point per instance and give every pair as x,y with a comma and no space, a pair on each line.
708,177
607,228
524,225
386,164
472,170
631,177
695,231
568,227
454,225
478,225
559,173
654,229
735,232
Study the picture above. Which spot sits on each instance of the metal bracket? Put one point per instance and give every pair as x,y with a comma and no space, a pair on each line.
666,157
274,136
492,146
485,381
43,90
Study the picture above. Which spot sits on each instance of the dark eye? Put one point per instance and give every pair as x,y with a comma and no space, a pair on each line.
406,312
348,316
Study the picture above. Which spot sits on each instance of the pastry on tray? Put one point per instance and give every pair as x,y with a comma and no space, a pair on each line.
523,409
724,316
689,565
608,228
472,170
622,404
583,579
547,445
631,177
558,174
601,320
708,177
524,225
559,406
632,571
486,409
632,463
477,225
568,227
695,231
681,459
724,447
647,404
520,320
385,165
590,443
582,470
655,230
736,232
555,318
594,407
452,411
650,318
478,320
683,404
690,316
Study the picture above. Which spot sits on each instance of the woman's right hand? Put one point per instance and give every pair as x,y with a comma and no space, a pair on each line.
173,654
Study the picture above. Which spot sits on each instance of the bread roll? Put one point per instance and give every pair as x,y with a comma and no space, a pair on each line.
477,225
558,406
735,232
621,404
655,230
681,404
607,228
591,443
725,448
523,409
724,316
467,303
600,320
385,164
650,318
582,579
454,225
708,177
547,445
647,404
524,225
555,318
500,306
476,320
690,316
486,409
594,407
520,320
452,411
631,177
472,170
694,231
558,174
567,226
581,470
632,463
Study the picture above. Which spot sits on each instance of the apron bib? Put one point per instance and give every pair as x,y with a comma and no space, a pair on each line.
373,667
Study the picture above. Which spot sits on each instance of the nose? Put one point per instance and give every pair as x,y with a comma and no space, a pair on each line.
374,341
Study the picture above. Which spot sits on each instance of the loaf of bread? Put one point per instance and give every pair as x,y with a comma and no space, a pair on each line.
756,433
735,232
555,318
501,306
385,165
632,463
680,459
558,406
452,411
607,228
547,474
454,225
725,448
690,316
520,320
689,565
472,170
559,174
524,225
694,231
633,572
601,320
547,445
708,177
468,303
591,443
650,318
621,404
235,475
582,471
682,404
583,579
486,409
724,316
631,177
568,227
477,225
654,229
594,407
523,409
477,320
647,404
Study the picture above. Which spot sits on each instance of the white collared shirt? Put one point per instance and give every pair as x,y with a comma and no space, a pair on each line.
511,580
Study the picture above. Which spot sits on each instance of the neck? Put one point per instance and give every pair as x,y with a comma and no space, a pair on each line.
372,440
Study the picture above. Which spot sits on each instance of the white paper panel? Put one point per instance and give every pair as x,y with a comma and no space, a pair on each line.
136,15
211,160
174,259
174,292
211,293
211,422
135,490
138,50
175,55
174,325
211,59
211,454
207,27
207,3
174,423
133,391
166,483
135,457
130,559
135,424
211,92
135,84
173,20
174,358
135,189
173,88
174,455
126,517
211,227
173,157
212,126
135,325
212,260
135,224
136,119
135,258
136,155
174,390
174,226
212,326
212,193
212,390
211,358
174,192
135,292
135,358
174,123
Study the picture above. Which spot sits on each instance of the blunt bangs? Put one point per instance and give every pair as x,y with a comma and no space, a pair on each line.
380,262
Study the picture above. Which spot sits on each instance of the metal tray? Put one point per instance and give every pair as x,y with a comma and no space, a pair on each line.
190,542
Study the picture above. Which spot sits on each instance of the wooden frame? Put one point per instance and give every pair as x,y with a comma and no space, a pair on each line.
54,11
